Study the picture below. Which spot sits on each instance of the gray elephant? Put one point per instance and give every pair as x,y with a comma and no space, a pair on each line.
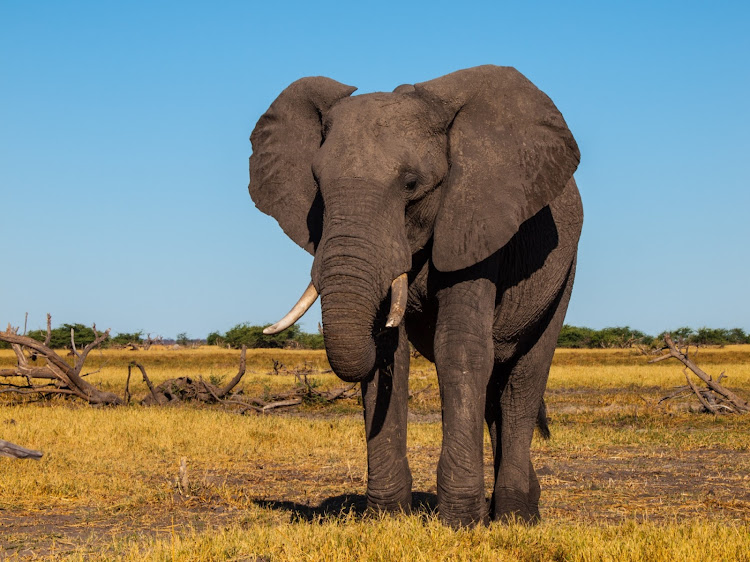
444,214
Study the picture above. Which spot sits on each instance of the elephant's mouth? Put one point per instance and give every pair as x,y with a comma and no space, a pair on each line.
399,296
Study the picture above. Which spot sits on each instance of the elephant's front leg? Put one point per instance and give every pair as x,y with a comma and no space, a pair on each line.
464,359
385,399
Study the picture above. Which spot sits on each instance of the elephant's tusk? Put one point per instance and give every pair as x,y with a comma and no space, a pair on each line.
399,296
298,310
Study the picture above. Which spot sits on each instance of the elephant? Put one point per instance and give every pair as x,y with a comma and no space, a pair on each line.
443,214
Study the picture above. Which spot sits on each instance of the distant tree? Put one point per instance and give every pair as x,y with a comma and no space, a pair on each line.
182,338
311,341
575,337
619,337
215,338
124,338
253,336
683,334
710,336
60,336
738,335
706,336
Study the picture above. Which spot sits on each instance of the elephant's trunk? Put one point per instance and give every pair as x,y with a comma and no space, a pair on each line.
353,286
349,311
363,249
349,344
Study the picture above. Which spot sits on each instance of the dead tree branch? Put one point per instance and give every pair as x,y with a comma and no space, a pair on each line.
715,397
228,388
8,449
157,399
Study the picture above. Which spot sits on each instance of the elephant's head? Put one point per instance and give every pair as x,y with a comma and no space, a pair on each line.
364,182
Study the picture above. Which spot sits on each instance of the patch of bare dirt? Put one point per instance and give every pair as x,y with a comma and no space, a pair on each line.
626,483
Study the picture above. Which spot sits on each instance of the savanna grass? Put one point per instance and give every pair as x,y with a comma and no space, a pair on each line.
623,478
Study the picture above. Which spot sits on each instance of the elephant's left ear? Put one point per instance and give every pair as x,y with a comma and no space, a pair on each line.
510,155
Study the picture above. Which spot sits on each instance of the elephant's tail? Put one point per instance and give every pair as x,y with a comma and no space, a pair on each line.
541,421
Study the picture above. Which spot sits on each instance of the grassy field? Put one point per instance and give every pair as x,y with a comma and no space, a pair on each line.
623,477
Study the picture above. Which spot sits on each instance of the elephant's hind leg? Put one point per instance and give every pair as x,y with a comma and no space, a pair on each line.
385,398
516,493
493,417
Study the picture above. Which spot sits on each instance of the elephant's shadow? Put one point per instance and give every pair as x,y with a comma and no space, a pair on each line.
423,503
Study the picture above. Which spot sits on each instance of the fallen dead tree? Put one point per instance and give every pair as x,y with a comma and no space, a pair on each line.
714,397
55,375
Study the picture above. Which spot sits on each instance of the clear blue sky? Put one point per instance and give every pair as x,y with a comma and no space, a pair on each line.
124,144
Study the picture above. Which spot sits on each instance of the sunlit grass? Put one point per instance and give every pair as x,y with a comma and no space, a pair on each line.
410,538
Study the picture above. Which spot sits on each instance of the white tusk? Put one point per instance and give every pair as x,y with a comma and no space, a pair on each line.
399,296
298,310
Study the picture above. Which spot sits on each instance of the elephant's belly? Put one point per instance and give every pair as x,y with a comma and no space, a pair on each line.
522,314
534,270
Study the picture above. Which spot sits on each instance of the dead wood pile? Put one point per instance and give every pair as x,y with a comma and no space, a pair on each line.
714,397
183,389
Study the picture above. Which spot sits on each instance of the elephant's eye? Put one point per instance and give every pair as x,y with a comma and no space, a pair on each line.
410,181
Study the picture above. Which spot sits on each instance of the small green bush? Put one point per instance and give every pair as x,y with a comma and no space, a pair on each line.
124,338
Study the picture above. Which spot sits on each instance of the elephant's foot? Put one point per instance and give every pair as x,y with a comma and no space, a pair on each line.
392,494
462,508
513,505
460,516
389,504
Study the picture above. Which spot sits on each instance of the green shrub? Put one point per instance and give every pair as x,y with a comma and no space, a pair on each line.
619,337
311,341
709,336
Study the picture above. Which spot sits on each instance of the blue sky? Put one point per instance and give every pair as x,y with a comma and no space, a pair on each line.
124,143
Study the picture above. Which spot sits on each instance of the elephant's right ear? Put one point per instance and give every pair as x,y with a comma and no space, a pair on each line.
284,143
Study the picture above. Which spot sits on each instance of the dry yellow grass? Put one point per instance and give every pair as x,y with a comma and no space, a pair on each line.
623,478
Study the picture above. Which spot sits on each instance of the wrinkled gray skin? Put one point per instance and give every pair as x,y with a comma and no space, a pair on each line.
466,183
